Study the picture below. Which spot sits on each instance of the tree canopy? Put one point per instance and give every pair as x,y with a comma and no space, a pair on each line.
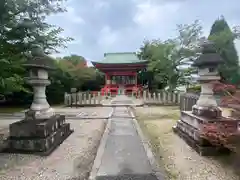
72,72
22,25
76,68
169,60
224,38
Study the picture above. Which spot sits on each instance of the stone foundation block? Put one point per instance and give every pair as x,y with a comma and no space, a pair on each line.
209,112
40,144
192,125
203,150
36,128
40,137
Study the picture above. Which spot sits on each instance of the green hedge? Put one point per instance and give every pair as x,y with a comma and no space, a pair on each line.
194,89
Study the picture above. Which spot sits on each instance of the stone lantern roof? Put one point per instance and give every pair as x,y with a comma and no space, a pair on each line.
38,59
209,56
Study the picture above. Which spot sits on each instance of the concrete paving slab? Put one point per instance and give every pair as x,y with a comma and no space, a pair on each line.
124,156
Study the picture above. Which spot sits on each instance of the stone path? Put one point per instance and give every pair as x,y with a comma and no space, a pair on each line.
121,154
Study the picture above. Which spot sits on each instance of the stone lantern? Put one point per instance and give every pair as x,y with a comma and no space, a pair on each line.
206,109
41,131
38,65
207,65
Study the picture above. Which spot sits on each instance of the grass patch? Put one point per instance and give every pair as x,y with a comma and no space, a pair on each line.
157,137
156,123
172,154
19,109
158,113
11,109
158,117
157,146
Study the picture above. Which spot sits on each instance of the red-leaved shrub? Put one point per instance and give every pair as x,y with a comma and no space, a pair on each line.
221,134
221,88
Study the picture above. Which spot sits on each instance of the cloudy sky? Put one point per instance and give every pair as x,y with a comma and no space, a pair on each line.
100,26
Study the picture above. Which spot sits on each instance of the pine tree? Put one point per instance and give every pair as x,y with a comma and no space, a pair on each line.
223,37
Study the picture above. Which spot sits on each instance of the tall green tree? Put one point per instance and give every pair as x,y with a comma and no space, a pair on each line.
23,23
168,58
72,72
75,60
82,77
224,38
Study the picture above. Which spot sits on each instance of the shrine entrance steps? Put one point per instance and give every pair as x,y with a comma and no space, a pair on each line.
122,154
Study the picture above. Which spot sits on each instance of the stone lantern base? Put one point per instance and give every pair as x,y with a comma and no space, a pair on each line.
38,136
210,112
190,126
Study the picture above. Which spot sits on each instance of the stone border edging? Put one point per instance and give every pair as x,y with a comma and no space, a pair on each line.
160,104
122,105
68,116
19,114
84,105
147,148
101,148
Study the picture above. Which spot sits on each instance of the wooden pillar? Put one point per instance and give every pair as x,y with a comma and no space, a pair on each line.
136,79
107,79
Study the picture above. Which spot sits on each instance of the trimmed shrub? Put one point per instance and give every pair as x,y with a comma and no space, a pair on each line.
218,89
194,89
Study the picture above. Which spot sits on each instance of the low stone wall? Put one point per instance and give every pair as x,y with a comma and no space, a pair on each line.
187,101
161,98
83,99
96,99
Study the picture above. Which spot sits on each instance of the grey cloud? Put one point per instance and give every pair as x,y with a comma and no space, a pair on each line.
118,16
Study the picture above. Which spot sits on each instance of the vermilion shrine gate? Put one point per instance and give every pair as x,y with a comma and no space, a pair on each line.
120,72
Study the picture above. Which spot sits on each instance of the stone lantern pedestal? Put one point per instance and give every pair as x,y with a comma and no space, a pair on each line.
190,125
41,131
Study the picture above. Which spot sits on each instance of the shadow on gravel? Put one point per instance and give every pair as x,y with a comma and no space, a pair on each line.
232,161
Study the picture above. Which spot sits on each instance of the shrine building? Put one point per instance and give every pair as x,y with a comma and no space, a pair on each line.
120,71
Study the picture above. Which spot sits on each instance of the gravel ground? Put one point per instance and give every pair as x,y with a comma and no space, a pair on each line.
180,161
82,112
71,160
